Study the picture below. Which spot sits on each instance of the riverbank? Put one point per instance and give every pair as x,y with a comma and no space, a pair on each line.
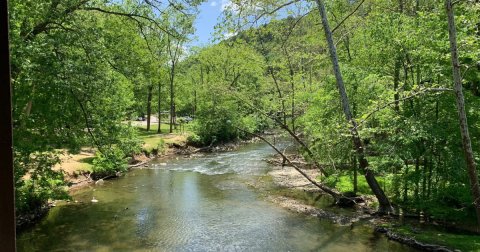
428,237
79,173
301,197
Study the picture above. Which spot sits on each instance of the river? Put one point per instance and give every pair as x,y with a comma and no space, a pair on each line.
200,203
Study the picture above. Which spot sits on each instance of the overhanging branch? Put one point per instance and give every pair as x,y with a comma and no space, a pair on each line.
335,195
131,16
403,99
341,22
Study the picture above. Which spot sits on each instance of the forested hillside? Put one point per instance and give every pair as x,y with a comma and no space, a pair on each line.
385,118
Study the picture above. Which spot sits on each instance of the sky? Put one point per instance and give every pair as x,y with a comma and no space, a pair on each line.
209,13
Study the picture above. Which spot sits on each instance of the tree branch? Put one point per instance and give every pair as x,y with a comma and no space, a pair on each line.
322,187
285,127
403,99
131,16
341,22
274,10
467,1
86,122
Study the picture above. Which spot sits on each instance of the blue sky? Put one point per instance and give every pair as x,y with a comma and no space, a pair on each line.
209,13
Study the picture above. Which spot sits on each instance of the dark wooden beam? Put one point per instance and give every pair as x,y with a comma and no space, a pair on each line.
7,192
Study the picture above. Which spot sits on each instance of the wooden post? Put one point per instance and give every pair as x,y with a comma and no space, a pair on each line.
7,195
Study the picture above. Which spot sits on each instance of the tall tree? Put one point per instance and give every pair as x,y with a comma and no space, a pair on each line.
462,117
384,202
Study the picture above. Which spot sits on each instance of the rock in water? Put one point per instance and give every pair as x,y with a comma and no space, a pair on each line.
94,200
99,182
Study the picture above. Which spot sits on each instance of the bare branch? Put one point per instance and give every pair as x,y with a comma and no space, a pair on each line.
285,127
341,22
335,195
468,67
40,28
403,99
86,122
294,25
341,38
131,16
146,41
273,11
467,1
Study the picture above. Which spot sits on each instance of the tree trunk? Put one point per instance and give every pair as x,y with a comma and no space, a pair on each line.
462,117
293,100
175,116
159,130
405,184
149,106
29,107
172,112
194,103
475,87
383,200
355,181
425,177
429,186
417,166
280,94
396,80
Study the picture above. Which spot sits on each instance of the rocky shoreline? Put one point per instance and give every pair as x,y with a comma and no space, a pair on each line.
287,177
284,176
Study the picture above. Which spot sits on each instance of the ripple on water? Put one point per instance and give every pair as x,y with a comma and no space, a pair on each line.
201,204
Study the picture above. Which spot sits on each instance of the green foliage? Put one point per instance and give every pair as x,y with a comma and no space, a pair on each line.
161,147
77,74
36,181
194,139
113,161
462,242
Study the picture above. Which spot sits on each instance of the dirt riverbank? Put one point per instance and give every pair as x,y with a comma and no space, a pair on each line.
288,178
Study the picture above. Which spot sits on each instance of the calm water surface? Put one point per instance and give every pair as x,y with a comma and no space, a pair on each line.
196,204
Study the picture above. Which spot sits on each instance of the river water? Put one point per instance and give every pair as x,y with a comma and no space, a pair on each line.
200,203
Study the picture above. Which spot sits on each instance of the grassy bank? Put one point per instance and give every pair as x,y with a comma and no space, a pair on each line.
464,243
83,161
152,137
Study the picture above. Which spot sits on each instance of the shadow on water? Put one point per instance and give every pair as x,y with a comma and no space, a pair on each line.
201,203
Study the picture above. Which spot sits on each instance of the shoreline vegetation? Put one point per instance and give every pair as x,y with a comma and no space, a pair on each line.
375,94
409,229
78,168
290,190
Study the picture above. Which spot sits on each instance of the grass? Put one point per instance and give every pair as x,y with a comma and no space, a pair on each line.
87,164
345,183
465,243
77,162
152,138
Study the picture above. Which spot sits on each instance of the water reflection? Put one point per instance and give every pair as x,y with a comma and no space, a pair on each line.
197,204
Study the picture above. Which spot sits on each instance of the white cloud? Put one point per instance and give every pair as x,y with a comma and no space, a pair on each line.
229,35
213,3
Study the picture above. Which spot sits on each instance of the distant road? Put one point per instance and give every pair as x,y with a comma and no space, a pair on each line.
153,120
